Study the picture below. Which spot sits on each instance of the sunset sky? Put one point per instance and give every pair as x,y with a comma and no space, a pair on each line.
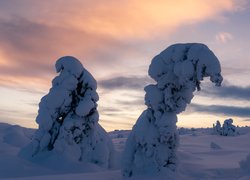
116,41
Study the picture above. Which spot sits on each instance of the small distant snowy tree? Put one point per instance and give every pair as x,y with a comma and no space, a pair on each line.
68,118
217,129
178,71
228,129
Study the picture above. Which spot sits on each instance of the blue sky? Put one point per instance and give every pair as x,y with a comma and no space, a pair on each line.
115,41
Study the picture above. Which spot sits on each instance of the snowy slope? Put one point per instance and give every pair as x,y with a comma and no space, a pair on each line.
197,158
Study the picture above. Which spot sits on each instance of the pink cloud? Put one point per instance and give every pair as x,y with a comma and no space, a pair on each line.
41,32
223,37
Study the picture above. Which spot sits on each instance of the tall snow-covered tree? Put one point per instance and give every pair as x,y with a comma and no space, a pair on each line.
178,72
68,118
217,128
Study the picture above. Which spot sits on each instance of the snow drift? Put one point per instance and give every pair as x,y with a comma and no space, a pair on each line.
245,165
178,71
196,158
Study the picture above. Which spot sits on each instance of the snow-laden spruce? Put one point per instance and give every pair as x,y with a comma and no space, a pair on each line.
178,71
228,129
217,128
68,118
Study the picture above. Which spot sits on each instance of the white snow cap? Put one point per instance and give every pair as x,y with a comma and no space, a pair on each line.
69,64
186,60
178,71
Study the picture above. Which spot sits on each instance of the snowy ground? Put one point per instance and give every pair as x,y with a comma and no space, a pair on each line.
201,156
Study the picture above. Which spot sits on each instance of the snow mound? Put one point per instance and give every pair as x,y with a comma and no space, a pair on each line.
178,71
245,165
16,136
215,146
68,119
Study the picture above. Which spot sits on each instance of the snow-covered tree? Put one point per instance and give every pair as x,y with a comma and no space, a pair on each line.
68,118
228,129
217,128
178,71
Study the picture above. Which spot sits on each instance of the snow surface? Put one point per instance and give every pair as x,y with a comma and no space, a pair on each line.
198,161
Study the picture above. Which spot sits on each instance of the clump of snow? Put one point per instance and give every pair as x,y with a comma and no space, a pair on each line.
68,119
178,71
215,146
245,165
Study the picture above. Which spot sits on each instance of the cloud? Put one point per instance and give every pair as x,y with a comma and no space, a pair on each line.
227,91
26,43
131,82
223,37
10,114
33,34
29,50
221,110
111,38
135,102
122,19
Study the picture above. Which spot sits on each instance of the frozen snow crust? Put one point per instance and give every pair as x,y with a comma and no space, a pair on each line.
68,119
178,71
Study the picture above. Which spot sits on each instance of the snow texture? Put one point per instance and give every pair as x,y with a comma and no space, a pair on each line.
196,159
178,71
245,165
214,146
68,119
